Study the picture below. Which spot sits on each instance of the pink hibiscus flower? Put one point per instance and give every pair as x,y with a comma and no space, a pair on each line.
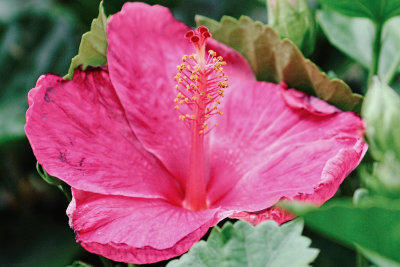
148,181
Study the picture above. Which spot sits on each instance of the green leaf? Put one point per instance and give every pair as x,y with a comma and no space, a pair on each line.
377,10
374,226
276,60
243,244
355,36
93,47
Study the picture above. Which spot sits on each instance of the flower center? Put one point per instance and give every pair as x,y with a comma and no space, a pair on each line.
201,83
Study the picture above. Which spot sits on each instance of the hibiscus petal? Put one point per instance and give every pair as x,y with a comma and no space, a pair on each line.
271,148
79,133
145,45
136,230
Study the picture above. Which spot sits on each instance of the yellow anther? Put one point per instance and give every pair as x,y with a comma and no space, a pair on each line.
187,100
194,77
180,80
218,102
176,100
220,112
193,117
215,108
194,98
216,124
212,53
181,102
201,131
220,58
177,87
210,97
176,107
184,58
204,126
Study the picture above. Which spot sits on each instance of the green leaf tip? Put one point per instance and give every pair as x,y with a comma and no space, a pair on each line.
276,60
93,46
242,244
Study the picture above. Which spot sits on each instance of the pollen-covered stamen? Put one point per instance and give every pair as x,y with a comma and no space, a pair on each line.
201,82
200,90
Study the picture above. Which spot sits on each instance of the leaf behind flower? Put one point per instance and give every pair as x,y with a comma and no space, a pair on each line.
276,60
93,46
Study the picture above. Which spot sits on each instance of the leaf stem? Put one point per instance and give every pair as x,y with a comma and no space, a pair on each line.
376,51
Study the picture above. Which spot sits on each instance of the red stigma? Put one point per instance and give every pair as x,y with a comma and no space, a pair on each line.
199,36
189,34
194,39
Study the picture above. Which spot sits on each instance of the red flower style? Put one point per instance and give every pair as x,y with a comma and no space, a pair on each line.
149,171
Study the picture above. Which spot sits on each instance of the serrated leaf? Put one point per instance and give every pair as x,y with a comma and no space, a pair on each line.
243,244
374,226
276,60
93,47
354,37
377,10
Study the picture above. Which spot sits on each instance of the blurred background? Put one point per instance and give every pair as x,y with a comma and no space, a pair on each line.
41,36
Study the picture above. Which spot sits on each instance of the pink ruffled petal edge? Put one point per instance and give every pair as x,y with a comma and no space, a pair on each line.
283,152
136,230
335,171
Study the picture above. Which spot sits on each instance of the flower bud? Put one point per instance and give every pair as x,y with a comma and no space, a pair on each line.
293,19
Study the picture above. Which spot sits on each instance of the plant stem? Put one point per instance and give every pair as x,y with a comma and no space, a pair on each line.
376,51
131,265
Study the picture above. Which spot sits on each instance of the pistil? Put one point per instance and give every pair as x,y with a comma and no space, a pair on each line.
201,83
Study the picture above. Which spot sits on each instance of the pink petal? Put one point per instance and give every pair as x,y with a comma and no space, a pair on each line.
145,45
266,149
79,133
136,230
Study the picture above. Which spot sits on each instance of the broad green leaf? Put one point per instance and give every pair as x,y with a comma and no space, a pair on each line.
373,226
243,244
354,37
378,259
293,20
377,10
31,44
276,60
381,112
93,47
